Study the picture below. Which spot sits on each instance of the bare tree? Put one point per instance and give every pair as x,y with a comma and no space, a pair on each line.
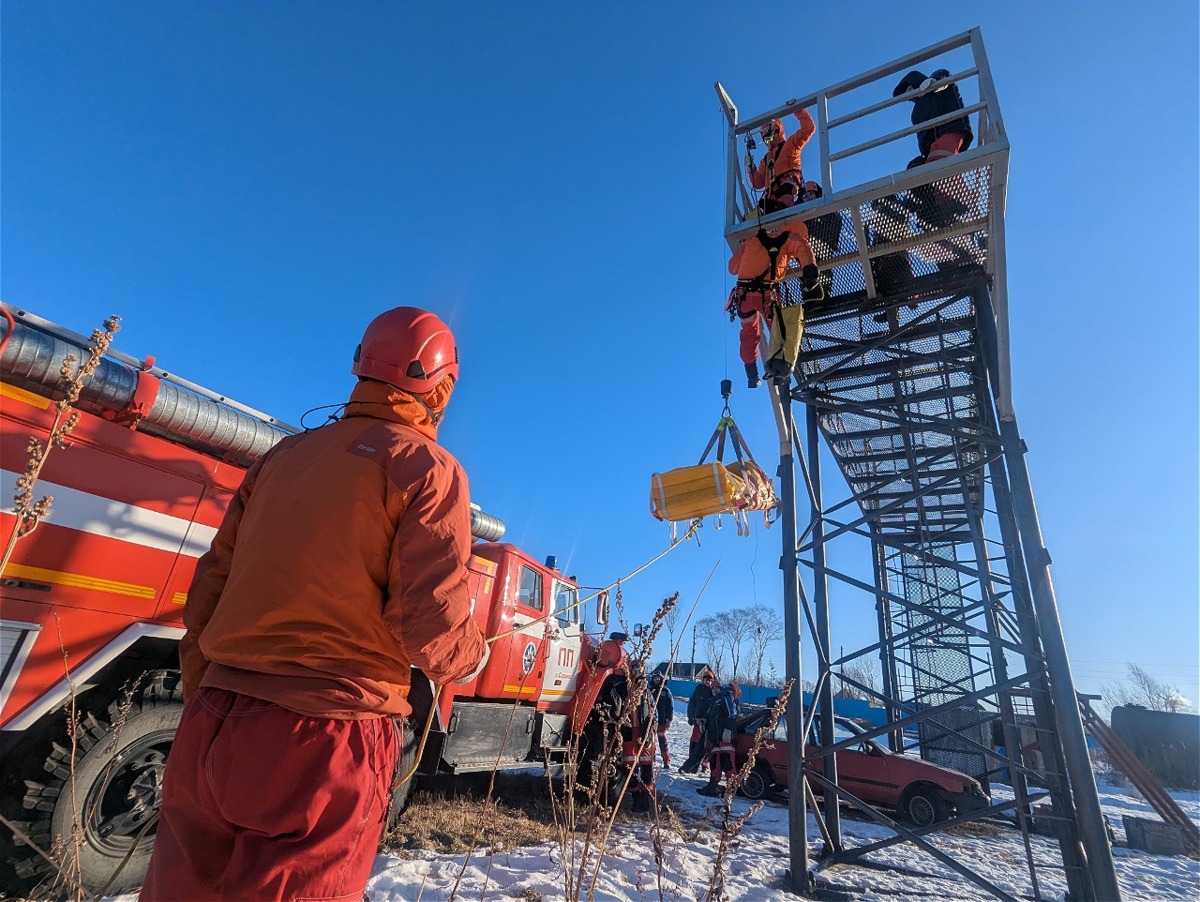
1139,688
765,628
737,627
862,672
671,622
710,633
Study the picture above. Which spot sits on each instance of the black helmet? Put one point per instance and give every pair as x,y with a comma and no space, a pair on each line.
913,79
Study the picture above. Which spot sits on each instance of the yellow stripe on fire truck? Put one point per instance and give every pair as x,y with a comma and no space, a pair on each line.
25,397
78,581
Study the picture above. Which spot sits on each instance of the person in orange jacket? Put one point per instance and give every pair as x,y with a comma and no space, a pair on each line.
760,263
778,174
339,566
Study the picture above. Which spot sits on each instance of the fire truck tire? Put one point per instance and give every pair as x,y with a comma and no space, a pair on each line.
118,767
408,756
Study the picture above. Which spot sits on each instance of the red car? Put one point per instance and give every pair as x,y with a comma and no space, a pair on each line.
921,791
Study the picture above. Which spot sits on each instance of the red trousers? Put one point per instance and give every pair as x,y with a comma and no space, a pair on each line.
752,306
262,803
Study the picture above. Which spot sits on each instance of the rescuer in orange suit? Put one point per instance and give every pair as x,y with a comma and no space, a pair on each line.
760,263
340,564
778,174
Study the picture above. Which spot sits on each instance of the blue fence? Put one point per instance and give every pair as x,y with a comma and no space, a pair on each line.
759,695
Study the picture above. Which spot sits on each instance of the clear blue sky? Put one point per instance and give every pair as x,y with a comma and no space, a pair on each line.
249,183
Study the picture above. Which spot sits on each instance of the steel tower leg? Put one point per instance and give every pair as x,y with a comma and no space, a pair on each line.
801,880
887,648
1089,819
833,821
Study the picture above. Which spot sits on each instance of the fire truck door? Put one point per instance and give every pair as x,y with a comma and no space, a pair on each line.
562,653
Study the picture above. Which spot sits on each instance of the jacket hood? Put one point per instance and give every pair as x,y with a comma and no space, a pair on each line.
913,79
778,123
386,402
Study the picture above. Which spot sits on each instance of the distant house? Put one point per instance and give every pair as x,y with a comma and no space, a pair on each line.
682,670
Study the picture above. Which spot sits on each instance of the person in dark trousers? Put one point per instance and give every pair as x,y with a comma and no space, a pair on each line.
719,732
340,565
931,100
665,713
938,141
697,713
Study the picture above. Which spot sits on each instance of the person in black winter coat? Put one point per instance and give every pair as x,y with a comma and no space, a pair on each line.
697,712
722,715
664,710
940,140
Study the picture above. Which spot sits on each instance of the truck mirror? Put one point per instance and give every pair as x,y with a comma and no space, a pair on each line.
602,608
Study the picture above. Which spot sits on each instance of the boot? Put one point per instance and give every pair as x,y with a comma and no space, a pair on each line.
752,375
708,789
778,370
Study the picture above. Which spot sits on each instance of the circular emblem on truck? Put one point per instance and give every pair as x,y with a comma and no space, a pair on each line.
528,658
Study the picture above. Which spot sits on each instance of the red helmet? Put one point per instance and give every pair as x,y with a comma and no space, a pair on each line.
409,348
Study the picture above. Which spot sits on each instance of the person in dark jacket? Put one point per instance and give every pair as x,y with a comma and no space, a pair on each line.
942,140
664,708
697,713
719,731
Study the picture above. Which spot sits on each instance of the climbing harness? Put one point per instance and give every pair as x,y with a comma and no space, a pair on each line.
692,493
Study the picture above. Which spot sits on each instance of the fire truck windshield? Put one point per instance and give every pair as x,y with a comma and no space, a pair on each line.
565,598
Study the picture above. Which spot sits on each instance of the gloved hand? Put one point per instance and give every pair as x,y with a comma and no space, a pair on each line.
727,736
809,275
702,724
487,653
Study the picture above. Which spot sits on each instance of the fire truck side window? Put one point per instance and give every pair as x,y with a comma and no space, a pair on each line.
564,602
530,593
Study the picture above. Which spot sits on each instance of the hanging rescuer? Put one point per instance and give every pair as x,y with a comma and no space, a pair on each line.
760,264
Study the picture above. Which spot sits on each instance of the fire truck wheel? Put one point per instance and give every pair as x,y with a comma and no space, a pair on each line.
118,768
408,757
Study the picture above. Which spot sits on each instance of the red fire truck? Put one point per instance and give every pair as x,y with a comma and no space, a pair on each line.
91,610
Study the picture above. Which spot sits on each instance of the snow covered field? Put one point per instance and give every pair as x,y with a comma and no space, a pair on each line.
755,868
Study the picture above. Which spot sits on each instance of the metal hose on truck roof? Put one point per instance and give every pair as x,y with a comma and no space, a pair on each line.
182,412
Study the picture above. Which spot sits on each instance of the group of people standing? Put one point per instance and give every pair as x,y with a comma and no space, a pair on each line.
761,262
712,711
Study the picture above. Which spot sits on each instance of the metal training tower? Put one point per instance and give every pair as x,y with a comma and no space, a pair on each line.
903,379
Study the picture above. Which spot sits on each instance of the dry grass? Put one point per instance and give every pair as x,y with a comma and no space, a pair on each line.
445,814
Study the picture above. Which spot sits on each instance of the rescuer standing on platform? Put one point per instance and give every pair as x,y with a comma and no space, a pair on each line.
760,263
340,564
778,174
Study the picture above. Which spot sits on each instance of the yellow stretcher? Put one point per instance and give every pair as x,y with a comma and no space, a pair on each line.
689,493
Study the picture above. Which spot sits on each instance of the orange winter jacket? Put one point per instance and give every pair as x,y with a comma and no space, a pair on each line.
785,156
341,561
751,260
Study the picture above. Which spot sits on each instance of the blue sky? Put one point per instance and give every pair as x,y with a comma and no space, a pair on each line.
249,183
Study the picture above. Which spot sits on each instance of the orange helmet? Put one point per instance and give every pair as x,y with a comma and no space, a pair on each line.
409,348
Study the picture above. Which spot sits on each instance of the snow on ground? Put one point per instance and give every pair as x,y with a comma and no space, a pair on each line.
755,868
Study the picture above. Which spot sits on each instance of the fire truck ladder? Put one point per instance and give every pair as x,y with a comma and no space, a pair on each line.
903,376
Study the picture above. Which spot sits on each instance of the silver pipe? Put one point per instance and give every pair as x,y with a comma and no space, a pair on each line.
33,356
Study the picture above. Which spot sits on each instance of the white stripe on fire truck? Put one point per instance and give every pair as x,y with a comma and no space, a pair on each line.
100,516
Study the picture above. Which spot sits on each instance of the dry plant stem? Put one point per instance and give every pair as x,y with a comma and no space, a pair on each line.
731,826
645,647
488,799
29,512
